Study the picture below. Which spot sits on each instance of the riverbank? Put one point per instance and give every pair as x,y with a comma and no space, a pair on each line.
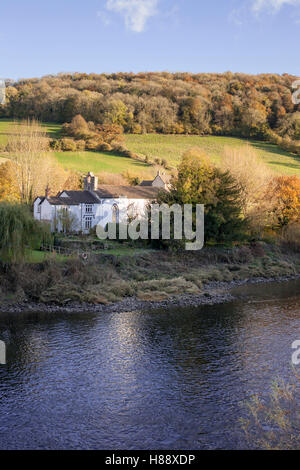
214,294
152,280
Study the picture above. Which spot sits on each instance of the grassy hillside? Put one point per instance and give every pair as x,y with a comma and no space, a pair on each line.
101,161
5,127
169,147
84,161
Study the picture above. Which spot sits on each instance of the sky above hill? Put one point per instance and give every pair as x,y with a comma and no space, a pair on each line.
251,36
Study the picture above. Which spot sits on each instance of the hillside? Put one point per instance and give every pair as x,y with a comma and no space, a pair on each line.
171,147
168,147
168,103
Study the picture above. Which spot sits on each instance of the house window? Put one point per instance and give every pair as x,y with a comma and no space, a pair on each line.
115,214
88,223
88,208
39,209
132,212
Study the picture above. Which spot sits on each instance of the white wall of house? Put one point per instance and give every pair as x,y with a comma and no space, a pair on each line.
36,208
104,213
87,216
46,211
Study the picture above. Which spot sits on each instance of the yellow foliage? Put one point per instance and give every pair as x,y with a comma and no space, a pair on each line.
8,184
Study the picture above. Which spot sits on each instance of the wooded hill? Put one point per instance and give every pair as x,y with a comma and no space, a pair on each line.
221,104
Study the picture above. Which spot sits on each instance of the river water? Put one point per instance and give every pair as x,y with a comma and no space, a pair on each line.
172,379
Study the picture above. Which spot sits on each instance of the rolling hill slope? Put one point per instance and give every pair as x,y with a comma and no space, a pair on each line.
168,147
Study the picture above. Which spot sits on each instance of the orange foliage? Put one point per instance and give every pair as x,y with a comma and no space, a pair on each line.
283,193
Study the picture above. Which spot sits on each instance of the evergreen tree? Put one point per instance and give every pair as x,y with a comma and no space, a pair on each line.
199,182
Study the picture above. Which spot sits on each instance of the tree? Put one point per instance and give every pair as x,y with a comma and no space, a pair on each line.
199,182
117,113
33,166
66,221
253,176
283,194
289,126
18,231
8,184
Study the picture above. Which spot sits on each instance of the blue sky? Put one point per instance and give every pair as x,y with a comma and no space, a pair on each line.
251,36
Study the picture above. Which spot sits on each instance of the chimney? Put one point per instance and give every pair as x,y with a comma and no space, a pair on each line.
47,192
90,182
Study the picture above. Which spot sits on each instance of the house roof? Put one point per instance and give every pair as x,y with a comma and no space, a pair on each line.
61,201
73,198
81,197
146,183
105,191
158,177
132,192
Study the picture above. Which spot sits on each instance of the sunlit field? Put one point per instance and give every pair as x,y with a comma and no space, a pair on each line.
168,147
171,147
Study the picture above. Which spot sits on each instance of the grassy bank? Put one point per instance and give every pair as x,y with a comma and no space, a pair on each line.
171,148
148,276
167,147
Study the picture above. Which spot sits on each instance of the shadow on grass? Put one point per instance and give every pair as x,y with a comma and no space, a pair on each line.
271,148
288,165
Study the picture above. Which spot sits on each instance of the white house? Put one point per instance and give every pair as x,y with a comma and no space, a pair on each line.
96,204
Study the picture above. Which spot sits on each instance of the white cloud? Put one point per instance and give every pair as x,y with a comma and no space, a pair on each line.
104,18
135,12
272,5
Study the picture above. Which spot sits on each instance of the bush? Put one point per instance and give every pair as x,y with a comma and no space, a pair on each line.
105,147
68,145
80,144
94,143
273,423
55,144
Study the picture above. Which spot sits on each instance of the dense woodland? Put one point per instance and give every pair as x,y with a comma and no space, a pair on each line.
220,104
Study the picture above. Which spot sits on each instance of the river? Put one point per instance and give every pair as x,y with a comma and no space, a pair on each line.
172,379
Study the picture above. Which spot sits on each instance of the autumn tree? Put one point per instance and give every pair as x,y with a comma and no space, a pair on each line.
283,194
33,167
289,126
9,190
253,176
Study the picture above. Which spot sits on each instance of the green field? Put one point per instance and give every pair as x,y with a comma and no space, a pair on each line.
171,147
101,161
85,161
168,147
5,127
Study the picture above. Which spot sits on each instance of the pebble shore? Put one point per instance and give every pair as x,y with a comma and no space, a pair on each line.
214,293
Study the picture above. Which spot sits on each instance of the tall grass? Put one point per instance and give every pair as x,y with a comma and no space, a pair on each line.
272,423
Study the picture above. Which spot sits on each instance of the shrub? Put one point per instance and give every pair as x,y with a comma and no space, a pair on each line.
104,147
273,423
80,144
68,145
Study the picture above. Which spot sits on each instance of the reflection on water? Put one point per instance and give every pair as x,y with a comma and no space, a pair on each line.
164,379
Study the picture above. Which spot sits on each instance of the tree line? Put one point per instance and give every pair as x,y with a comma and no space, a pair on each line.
258,106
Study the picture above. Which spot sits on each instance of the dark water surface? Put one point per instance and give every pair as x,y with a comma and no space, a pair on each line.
161,379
